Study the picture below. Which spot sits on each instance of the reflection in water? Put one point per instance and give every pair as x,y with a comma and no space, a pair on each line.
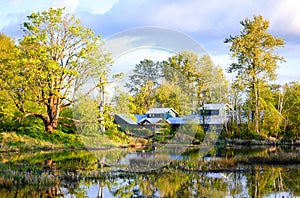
83,174
266,182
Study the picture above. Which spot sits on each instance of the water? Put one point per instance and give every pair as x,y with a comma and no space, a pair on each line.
80,174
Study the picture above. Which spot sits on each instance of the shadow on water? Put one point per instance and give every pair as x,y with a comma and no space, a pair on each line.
81,173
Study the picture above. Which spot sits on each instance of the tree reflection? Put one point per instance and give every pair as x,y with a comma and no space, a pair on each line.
76,173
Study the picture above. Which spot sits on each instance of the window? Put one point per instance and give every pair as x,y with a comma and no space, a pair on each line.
215,112
209,112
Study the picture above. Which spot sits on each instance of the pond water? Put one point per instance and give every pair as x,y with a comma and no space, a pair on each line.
105,173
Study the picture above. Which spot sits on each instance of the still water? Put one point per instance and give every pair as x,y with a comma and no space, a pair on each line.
85,173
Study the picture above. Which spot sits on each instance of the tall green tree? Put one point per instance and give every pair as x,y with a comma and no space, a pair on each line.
256,62
270,103
56,57
7,108
147,70
145,98
290,102
199,79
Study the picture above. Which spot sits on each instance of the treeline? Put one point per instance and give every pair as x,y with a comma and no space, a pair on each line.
184,82
46,79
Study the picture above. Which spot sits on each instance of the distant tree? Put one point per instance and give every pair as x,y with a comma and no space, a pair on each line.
199,79
124,103
145,98
169,95
291,108
53,61
147,70
256,62
272,117
179,82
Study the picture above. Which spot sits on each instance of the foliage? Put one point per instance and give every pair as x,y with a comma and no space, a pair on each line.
199,80
144,72
256,62
57,138
87,114
124,104
54,59
291,108
113,131
66,124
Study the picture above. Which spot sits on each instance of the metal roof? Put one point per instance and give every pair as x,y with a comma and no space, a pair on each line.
151,120
176,120
197,119
139,117
215,106
160,110
124,119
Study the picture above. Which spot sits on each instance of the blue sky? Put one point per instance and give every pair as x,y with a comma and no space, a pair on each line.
207,22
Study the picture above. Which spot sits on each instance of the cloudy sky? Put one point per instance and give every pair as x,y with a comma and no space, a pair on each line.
206,22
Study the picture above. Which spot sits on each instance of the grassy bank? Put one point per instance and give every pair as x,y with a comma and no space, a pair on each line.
13,141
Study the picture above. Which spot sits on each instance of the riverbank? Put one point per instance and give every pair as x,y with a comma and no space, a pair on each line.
262,142
36,140
14,142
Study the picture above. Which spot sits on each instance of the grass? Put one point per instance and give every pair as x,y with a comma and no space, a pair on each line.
36,138
57,137
11,141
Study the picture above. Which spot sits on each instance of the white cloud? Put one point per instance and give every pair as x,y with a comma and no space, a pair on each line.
120,45
286,16
97,7
10,11
195,15
128,60
70,5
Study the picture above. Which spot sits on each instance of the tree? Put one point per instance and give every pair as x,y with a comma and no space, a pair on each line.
147,70
124,103
55,59
7,108
272,113
256,60
199,79
145,98
291,109
167,95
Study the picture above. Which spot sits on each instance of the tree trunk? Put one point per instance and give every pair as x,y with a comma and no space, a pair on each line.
102,105
51,125
53,111
255,113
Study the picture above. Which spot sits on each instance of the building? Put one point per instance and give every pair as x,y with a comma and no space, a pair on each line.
209,115
158,116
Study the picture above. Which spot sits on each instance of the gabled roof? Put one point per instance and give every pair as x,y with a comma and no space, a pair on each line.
160,110
216,106
152,120
124,119
139,117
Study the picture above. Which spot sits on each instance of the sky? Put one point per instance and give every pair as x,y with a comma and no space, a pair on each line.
206,22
